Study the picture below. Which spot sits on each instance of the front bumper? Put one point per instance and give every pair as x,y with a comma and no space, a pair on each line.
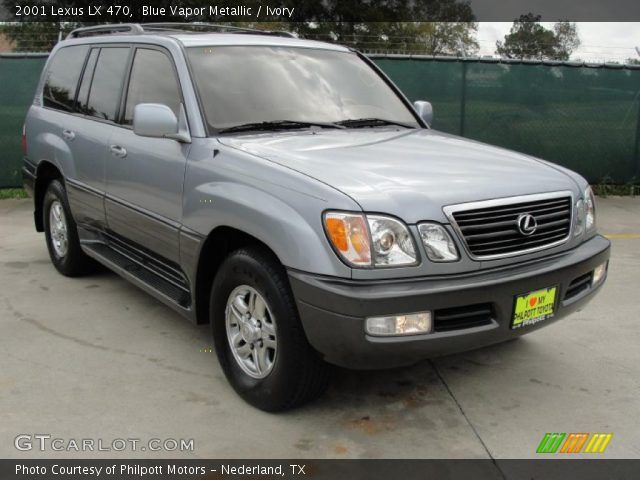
333,310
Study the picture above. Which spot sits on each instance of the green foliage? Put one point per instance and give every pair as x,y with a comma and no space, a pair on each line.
431,38
35,36
528,39
451,31
566,40
6,193
607,187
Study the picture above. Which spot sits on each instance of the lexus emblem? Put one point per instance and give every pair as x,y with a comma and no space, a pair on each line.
527,224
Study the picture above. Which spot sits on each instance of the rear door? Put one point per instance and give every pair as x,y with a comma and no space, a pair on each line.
145,175
88,131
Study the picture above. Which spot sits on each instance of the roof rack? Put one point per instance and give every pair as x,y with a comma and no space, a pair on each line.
121,28
192,27
198,27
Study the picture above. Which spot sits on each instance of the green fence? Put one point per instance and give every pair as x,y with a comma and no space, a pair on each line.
586,118
582,117
19,77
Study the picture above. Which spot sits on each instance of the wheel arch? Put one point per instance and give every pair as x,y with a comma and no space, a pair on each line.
46,172
220,242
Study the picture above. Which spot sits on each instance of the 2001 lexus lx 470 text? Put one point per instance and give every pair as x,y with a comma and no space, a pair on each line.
286,192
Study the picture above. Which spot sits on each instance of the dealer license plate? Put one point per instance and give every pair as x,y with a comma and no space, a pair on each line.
534,307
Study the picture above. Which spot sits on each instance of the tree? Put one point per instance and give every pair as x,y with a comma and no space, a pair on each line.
528,39
431,38
567,40
35,36
452,32
453,38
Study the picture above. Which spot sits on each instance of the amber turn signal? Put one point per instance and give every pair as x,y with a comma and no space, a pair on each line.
349,235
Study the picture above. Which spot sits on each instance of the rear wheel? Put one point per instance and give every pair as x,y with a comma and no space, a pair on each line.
258,336
62,234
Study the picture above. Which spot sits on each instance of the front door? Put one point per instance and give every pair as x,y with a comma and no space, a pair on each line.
145,175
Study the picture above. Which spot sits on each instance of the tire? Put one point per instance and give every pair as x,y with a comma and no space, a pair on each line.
62,240
293,372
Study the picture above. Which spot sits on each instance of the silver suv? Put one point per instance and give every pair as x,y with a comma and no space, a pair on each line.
287,193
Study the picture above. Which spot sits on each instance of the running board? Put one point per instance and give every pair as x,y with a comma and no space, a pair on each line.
168,291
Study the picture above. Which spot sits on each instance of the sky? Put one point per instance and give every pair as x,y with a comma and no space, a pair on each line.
601,41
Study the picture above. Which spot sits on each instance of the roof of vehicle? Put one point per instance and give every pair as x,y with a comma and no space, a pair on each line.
194,35
206,39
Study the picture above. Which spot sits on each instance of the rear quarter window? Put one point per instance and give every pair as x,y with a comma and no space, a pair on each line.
62,77
85,83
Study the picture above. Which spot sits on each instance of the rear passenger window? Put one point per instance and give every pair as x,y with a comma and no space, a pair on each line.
104,94
62,77
85,83
153,80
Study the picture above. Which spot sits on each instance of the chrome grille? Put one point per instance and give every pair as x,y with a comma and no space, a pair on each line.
491,229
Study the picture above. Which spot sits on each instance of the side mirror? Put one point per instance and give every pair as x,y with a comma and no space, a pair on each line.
159,121
424,110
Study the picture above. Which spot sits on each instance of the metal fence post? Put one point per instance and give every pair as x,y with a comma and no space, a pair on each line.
636,148
463,98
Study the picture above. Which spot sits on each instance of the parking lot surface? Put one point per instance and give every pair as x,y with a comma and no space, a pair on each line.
97,358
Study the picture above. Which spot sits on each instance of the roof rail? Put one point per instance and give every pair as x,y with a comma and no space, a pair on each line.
111,29
211,27
195,27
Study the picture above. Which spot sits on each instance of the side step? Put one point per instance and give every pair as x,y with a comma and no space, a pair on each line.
168,291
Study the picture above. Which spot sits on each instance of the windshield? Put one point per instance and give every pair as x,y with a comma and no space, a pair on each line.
240,85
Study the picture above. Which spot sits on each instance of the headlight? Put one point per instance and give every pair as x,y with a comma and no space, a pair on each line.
585,213
580,218
392,243
438,243
366,240
590,209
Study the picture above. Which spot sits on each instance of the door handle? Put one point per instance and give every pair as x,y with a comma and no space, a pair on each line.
118,151
69,134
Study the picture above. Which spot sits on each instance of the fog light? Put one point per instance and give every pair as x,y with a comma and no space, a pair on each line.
410,324
599,273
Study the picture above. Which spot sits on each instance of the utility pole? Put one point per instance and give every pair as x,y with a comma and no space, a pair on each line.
636,150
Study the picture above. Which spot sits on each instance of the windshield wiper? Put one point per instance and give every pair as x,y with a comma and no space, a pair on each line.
371,122
277,125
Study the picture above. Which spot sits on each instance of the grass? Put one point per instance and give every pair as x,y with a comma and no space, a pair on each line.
606,186
12,193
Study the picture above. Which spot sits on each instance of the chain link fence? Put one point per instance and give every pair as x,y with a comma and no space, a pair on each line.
584,117
19,75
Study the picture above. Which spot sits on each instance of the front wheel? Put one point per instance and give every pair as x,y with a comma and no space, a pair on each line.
258,336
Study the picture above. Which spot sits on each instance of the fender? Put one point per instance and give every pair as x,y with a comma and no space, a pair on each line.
269,219
56,152
278,206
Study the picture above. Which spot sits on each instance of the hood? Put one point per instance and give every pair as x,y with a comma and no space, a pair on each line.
409,174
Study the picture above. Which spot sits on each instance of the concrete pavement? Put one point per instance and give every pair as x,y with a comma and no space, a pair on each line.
97,358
